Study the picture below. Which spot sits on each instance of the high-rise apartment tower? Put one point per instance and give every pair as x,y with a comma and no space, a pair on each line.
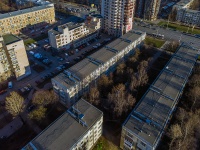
151,9
117,16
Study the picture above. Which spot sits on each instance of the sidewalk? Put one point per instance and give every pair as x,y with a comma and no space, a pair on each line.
11,128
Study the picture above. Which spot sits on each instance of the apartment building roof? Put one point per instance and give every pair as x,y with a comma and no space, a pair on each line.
10,38
152,113
104,55
23,11
88,65
125,40
84,68
66,131
65,80
71,25
54,32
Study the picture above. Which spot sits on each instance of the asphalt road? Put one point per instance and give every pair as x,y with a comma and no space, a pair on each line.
169,34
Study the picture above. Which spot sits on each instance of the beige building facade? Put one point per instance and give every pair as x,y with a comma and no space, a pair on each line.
16,21
13,58
117,16
74,34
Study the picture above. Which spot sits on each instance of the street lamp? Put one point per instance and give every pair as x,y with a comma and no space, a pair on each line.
180,38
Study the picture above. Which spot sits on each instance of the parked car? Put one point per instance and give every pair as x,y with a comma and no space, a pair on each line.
95,46
2,92
31,52
38,56
76,50
98,44
10,85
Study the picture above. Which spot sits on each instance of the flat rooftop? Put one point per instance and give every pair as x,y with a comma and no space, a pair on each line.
55,32
125,40
66,131
10,38
149,117
104,55
23,11
88,65
71,25
84,68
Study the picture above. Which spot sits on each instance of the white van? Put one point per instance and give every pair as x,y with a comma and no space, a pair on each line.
10,85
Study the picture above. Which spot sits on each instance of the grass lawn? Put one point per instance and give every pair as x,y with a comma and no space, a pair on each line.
29,41
155,42
104,144
179,27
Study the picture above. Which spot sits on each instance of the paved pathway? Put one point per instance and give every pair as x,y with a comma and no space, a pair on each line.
11,128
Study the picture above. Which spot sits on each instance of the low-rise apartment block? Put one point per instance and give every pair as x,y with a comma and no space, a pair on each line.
13,58
188,16
145,125
73,82
185,14
15,21
69,34
78,128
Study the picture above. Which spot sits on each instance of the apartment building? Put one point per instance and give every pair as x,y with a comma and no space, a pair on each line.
139,9
15,21
75,81
117,16
74,34
145,125
13,58
78,128
186,15
151,9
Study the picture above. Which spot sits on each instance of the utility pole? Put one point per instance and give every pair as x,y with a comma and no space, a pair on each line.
167,22
180,39
193,28
188,29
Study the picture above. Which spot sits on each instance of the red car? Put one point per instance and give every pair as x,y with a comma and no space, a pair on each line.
2,92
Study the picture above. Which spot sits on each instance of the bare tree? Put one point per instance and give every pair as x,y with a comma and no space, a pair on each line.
44,97
52,97
175,133
121,68
134,83
94,96
38,114
181,115
120,101
104,84
194,97
142,76
194,81
15,105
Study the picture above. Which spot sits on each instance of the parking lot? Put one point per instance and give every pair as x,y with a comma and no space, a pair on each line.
45,63
49,63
